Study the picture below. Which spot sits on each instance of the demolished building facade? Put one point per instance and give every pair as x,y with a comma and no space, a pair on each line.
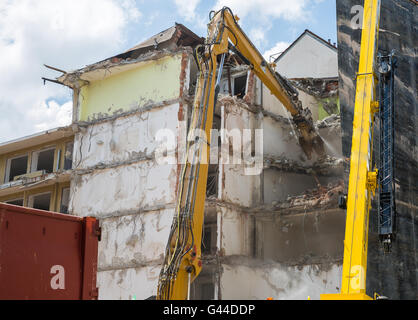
279,227
272,227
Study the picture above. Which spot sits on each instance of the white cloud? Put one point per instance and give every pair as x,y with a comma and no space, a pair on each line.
287,9
279,47
257,36
264,12
51,114
187,9
131,10
64,34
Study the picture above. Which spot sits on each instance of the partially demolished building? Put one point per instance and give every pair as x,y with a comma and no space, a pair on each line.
278,226
272,228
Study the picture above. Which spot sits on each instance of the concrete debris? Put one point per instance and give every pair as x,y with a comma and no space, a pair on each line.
277,117
227,100
326,166
27,183
331,121
320,88
321,197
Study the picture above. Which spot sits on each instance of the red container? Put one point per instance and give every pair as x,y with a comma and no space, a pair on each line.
46,255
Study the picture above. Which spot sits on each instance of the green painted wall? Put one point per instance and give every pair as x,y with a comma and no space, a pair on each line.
151,82
333,101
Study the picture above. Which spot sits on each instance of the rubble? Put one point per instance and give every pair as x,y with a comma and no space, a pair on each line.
320,88
325,166
331,121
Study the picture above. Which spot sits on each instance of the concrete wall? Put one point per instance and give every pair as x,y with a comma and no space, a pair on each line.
120,182
131,253
278,281
280,140
238,185
279,185
235,230
124,139
290,256
285,257
128,283
312,235
117,177
272,104
142,185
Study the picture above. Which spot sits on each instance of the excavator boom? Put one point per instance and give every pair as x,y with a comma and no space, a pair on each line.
182,263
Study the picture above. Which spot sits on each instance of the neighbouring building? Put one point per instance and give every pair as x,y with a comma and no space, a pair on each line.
311,63
35,171
309,56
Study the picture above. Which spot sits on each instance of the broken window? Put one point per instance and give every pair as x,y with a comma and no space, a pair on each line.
16,167
40,201
68,156
17,202
240,86
203,288
65,200
235,85
209,239
207,291
210,232
213,171
212,182
43,161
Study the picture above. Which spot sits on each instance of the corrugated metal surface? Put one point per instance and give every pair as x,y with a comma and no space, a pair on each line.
394,275
47,256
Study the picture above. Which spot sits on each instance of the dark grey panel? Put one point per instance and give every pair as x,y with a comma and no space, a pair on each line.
393,275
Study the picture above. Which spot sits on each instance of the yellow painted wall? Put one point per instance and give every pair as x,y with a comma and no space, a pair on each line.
58,144
56,195
151,82
56,189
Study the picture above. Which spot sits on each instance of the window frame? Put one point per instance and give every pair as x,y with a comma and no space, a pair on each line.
33,168
61,196
16,199
9,163
65,153
32,196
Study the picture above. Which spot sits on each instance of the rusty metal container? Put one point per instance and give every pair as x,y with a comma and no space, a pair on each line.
46,255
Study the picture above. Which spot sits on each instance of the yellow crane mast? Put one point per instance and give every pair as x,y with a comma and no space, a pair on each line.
182,263
363,178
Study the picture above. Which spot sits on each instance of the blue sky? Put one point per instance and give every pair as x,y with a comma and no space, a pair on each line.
71,34
317,16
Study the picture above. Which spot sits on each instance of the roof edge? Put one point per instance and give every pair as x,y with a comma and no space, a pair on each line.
307,31
30,140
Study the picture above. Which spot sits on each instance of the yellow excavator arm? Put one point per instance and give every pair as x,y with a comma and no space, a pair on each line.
182,263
